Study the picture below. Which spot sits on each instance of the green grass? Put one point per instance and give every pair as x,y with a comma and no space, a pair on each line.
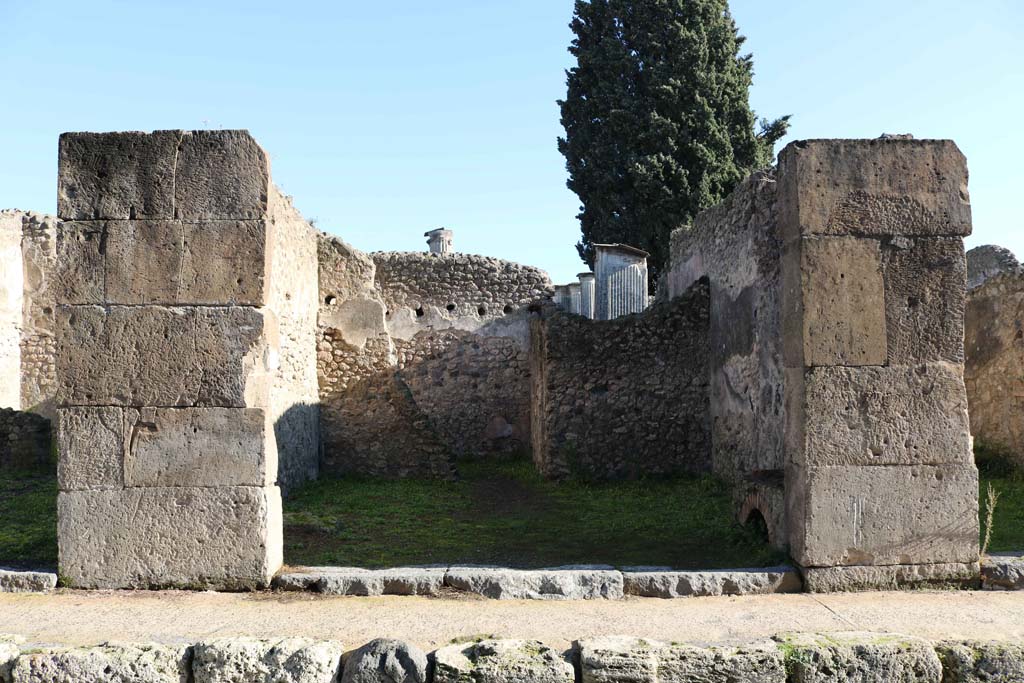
28,520
505,513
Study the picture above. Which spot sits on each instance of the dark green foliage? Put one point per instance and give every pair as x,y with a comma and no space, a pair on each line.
657,120
28,520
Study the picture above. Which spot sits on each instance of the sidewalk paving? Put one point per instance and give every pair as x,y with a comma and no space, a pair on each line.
88,618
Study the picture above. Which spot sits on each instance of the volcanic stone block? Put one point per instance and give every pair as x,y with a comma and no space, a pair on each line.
113,663
90,442
878,416
874,188
384,659
221,174
199,447
502,661
659,582
217,538
833,302
883,515
24,582
79,276
291,660
163,356
562,583
860,658
925,299
116,175
890,577
981,662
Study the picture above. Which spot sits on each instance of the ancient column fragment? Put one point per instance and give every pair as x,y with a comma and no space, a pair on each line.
621,280
586,295
879,468
575,298
186,292
439,241
11,292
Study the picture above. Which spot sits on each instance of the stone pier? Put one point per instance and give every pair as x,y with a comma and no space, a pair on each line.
620,280
575,298
586,295
185,354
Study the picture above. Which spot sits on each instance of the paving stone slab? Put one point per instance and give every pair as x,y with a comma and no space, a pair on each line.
502,661
560,583
386,661
252,660
859,657
617,659
889,577
657,582
109,663
13,581
981,662
1003,571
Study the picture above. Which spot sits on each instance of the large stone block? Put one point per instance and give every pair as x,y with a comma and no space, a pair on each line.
109,663
220,174
873,188
878,416
883,515
925,300
889,577
502,661
164,356
221,538
384,660
981,662
291,660
833,295
198,447
116,175
80,261
860,658
90,444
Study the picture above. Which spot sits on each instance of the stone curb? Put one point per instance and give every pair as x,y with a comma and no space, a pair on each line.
1003,572
577,582
12,581
799,658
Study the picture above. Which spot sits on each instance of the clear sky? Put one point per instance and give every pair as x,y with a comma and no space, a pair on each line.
385,120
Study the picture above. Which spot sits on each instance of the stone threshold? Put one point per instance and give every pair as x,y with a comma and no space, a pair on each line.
14,581
574,582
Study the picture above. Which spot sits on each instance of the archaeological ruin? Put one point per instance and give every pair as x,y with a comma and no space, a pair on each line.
202,349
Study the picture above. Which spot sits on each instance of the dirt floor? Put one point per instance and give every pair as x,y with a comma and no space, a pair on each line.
86,618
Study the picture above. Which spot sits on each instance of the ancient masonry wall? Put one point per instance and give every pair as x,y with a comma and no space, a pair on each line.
422,358
175,358
994,372
11,297
623,398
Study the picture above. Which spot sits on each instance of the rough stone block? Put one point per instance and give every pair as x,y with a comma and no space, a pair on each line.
1003,571
981,662
221,174
889,577
883,515
116,175
854,657
9,650
291,660
110,663
168,447
502,661
163,356
26,582
655,582
925,300
79,265
874,188
616,659
832,301
90,442
563,583
221,538
386,661
878,416
365,582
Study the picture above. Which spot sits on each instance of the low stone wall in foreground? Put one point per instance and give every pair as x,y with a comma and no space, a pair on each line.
796,658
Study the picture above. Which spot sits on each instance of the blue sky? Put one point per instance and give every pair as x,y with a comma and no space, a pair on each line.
385,120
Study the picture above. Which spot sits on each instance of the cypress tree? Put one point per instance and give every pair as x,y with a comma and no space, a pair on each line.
657,119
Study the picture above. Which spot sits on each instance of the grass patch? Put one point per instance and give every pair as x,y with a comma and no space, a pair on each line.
28,520
505,513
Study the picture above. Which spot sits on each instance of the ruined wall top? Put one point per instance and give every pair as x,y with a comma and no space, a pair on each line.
988,261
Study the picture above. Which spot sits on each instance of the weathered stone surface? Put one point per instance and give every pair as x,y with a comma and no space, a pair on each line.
162,356
357,581
79,265
223,537
220,174
988,261
386,661
832,294
924,300
167,447
874,187
90,442
617,659
889,577
981,662
1003,571
26,582
656,582
502,661
860,658
249,660
110,663
117,175
877,416
884,515
563,583
9,650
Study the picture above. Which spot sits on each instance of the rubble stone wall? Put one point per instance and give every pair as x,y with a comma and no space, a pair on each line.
623,398
24,441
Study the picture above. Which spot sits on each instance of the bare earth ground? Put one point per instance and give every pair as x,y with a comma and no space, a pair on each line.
88,618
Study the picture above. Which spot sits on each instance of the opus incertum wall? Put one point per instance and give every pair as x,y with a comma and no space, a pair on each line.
186,338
